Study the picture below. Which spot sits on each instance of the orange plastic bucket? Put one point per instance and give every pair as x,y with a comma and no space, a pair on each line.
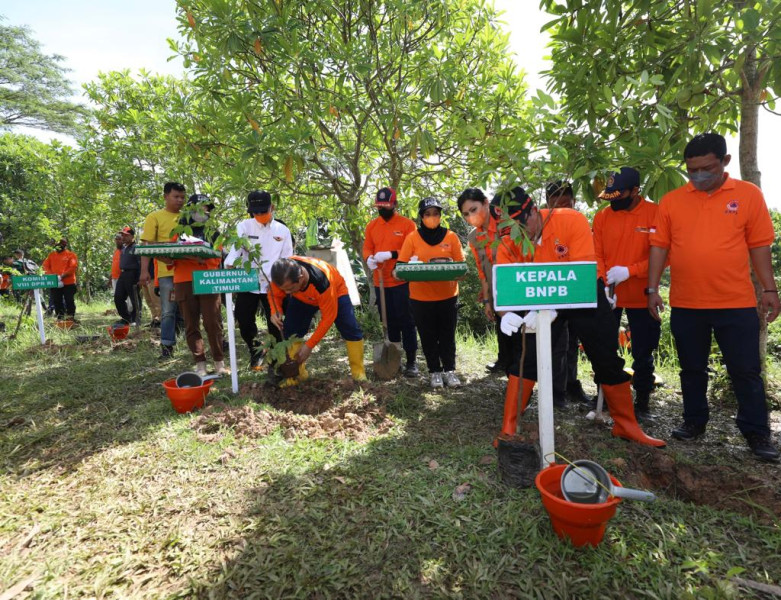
118,333
582,523
186,399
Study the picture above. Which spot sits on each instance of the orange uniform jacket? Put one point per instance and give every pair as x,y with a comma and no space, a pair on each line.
709,238
566,237
63,264
115,270
326,298
386,236
449,247
623,237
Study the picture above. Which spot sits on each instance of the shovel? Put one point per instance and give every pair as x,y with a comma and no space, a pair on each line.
191,379
586,482
387,357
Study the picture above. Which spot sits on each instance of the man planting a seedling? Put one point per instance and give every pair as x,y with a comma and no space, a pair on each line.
622,236
563,236
312,284
710,229
382,241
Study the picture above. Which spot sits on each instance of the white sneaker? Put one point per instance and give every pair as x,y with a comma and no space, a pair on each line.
220,368
200,368
436,380
451,379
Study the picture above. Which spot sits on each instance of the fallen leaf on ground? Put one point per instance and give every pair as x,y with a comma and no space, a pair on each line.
433,465
488,459
461,491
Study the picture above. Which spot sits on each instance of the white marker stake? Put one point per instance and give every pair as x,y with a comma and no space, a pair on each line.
232,343
39,312
545,387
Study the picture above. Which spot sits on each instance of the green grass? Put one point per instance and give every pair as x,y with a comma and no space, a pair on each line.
125,500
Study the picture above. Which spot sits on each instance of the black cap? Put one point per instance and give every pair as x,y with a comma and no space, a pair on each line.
557,188
517,202
625,179
258,202
429,202
201,199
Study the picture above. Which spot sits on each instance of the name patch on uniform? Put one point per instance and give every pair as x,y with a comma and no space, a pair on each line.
399,233
732,207
645,229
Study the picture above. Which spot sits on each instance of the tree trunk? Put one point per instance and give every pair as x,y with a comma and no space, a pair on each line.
749,166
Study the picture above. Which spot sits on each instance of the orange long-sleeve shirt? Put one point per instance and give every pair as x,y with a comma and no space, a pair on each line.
623,237
566,237
115,270
326,286
386,236
63,264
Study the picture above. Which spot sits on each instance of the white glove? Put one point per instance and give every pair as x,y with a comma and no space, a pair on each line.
510,323
612,300
59,281
531,320
381,257
414,259
617,274
372,262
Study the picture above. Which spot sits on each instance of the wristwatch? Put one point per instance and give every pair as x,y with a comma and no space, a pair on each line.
649,291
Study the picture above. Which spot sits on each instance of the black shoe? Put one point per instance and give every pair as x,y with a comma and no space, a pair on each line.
411,370
576,394
762,447
688,432
559,403
166,352
256,361
496,367
642,412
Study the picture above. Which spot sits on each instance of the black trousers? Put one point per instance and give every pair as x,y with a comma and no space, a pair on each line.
127,287
645,331
64,301
505,346
246,311
595,328
737,333
436,323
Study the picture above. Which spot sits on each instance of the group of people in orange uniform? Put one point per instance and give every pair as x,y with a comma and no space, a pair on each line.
708,232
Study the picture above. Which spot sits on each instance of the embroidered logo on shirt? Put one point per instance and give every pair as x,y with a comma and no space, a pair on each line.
732,207
277,238
640,229
561,250
399,233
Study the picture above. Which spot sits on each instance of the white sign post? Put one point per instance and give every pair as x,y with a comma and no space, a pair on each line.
39,312
542,287
232,343
227,281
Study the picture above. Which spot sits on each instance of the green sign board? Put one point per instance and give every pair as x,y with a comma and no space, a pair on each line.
225,281
33,282
535,286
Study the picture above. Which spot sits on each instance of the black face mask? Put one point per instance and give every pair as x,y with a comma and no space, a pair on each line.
621,203
386,213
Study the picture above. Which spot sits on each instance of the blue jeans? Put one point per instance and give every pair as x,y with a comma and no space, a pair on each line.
167,311
401,325
645,331
298,318
737,334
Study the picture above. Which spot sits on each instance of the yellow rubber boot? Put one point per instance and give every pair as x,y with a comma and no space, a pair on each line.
302,373
355,357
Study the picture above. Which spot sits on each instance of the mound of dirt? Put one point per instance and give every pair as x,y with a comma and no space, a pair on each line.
309,412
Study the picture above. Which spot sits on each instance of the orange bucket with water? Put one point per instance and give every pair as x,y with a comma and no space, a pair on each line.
186,399
583,524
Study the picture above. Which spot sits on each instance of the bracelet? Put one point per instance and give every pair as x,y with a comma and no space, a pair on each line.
769,291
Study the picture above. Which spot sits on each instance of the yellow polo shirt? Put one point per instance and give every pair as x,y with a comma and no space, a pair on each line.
157,229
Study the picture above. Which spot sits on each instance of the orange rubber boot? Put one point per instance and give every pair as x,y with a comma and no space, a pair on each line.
510,420
619,402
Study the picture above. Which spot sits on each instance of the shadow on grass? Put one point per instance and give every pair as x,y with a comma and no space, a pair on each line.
385,520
